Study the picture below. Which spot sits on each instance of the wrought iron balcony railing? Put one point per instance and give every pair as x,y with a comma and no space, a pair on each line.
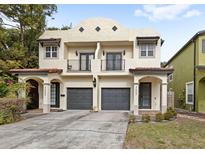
78,65
113,64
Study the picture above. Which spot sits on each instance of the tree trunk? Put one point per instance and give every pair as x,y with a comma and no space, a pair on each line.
21,35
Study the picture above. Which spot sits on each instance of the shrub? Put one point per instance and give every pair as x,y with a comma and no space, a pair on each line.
146,118
14,104
10,109
172,111
10,87
132,119
159,117
168,115
3,89
6,116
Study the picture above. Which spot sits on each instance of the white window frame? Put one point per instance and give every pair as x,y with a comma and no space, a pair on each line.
203,46
51,52
188,83
146,50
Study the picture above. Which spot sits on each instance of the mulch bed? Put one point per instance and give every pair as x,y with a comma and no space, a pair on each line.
189,113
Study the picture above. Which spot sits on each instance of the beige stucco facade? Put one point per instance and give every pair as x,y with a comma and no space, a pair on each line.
73,43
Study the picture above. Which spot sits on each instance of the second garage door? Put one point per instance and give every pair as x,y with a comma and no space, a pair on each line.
79,98
115,98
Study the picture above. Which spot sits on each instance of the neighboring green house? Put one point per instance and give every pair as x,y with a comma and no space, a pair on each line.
188,79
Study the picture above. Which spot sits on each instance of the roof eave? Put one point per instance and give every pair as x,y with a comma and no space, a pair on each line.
186,44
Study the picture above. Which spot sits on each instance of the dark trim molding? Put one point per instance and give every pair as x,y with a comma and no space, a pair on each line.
50,42
194,105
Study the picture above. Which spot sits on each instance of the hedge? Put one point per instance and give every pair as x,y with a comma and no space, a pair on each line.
11,109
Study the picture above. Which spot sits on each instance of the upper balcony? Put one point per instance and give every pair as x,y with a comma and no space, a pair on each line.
74,65
117,57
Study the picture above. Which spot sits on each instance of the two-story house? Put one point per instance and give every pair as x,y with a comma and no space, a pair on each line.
99,65
188,78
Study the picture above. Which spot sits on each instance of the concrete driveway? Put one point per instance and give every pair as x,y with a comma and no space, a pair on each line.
68,129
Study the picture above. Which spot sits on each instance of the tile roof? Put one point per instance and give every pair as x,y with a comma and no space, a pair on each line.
36,70
151,70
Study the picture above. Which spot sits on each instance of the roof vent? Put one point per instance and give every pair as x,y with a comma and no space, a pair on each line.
81,29
114,28
97,28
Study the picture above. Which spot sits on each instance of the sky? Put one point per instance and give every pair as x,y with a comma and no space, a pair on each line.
176,23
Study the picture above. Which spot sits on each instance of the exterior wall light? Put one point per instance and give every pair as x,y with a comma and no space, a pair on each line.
103,52
94,82
124,52
76,53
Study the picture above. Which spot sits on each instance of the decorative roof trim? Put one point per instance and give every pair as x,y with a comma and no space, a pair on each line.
155,70
36,70
51,41
150,39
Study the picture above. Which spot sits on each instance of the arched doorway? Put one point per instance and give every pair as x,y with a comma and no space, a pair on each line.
150,93
33,94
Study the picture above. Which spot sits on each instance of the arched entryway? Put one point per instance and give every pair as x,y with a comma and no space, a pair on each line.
33,94
150,93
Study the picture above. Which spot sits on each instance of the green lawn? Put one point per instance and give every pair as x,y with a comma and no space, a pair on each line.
181,133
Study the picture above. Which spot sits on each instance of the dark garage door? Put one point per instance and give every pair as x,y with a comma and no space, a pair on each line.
115,99
79,98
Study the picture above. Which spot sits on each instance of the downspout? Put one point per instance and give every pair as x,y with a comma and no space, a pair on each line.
194,103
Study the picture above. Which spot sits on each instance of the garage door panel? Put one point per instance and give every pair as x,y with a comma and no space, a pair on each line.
79,98
115,98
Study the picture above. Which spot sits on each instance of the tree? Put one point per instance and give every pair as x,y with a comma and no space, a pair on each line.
62,28
26,16
53,28
67,27
20,27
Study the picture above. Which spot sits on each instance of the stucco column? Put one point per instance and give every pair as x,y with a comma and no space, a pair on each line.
164,97
46,97
95,93
22,93
135,99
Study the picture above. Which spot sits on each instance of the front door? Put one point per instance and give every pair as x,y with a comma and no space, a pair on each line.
114,61
85,61
145,95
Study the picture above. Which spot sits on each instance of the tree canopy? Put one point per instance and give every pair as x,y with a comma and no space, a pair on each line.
20,27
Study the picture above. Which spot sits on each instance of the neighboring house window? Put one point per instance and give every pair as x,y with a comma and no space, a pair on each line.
51,52
203,46
189,93
147,50
170,77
